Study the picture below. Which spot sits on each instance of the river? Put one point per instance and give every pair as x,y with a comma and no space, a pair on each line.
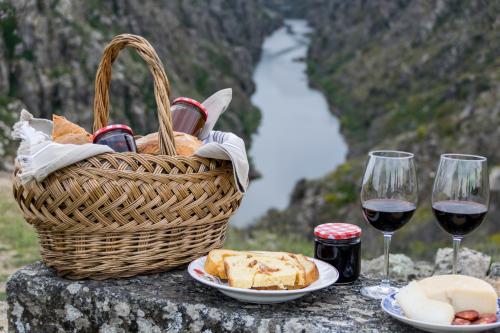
298,136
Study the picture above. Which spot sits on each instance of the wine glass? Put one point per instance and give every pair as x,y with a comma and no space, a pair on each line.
460,196
388,197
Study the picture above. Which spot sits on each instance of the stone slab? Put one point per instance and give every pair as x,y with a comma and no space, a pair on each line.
40,301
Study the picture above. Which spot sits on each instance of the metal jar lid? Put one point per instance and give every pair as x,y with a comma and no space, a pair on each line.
193,102
112,128
337,231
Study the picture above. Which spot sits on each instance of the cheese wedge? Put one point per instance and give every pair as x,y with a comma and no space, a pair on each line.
462,292
416,305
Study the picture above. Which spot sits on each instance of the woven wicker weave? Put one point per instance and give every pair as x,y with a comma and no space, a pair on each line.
123,214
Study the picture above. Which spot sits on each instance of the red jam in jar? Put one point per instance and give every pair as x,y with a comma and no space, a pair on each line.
339,244
119,137
188,116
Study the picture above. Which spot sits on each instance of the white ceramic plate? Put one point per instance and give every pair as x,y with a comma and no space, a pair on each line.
327,276
391,306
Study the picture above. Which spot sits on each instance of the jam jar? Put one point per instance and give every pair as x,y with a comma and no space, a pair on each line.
339,244
119,137
188,116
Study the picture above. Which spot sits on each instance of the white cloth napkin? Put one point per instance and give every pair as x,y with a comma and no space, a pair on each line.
215,105
228,146
38,156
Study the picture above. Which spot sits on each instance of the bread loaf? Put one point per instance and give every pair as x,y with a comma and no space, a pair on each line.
185,144
64,131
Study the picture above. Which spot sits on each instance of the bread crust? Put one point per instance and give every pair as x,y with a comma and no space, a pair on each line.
214,265
185,144
64,131
311,275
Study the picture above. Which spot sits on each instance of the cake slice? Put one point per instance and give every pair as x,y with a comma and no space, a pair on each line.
306,270
240,271
311,273
310,268
214,265
245,271
275,272
292,259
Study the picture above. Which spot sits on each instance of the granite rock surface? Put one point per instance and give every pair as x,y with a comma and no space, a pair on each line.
40,301
50,50
494,271
401,267
470,262
3,317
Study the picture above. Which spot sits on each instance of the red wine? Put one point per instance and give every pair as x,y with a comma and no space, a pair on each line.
459,217
388,215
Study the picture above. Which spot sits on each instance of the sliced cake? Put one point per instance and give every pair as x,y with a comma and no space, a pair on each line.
214,265
306,271
259,272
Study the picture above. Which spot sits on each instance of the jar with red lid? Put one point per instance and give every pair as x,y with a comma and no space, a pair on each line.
119,137
339,244
188,116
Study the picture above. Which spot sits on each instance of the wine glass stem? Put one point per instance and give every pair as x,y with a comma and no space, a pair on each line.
456,248
387,244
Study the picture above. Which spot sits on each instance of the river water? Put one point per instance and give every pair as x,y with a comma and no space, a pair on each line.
298,137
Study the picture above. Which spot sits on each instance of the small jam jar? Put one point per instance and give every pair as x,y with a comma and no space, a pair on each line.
119,137
188,116
339,244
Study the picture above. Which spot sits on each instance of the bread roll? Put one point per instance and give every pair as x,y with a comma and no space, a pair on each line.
64,131
185,144
148,144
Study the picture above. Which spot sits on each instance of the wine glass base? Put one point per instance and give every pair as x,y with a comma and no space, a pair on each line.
378,292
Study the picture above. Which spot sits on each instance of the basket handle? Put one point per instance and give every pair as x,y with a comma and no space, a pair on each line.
161,87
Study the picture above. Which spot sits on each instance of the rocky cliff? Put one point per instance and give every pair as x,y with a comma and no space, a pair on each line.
421,76
49,52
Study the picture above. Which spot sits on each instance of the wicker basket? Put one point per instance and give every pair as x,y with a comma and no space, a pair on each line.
123,214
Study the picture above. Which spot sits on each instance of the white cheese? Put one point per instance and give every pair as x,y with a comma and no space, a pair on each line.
462,292
416,305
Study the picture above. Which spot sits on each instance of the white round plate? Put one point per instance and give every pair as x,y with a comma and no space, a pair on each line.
327,276
391,307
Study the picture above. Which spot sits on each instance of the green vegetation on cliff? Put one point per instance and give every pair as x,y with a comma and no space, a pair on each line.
422,76
50,50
